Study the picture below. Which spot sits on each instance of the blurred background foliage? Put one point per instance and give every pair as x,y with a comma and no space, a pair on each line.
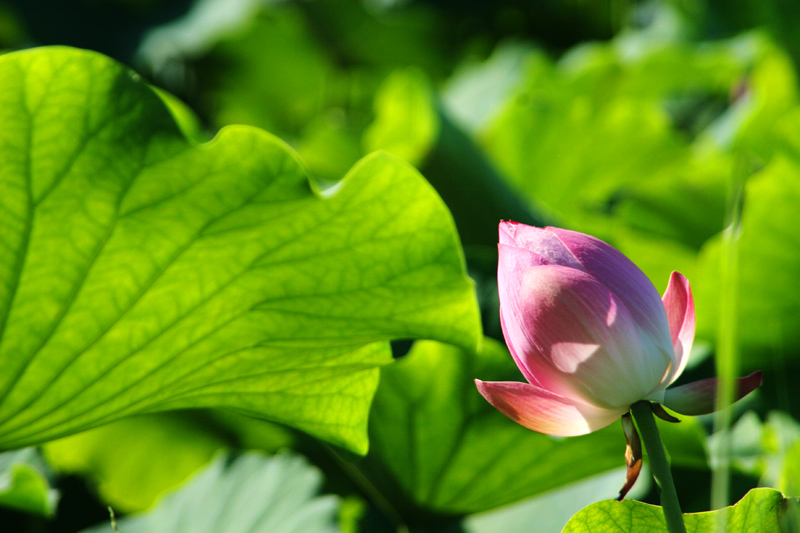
622,119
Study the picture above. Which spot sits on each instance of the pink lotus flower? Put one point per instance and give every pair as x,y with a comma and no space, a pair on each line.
591,335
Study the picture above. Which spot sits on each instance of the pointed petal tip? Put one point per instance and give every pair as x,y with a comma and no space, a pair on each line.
506,230
518,234
750,383
678,276
679,305
661,413
510,226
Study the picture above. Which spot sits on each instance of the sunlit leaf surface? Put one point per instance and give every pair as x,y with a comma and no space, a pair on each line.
141,272
760,510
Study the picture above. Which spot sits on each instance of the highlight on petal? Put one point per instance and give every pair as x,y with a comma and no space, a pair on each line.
699,397
609,266
543,411
507,229
575,338
679,305
544,245
513,263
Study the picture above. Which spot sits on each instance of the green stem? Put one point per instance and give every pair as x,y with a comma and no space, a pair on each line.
643,414
727,357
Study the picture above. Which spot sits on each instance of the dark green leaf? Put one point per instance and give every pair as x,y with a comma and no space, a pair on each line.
134,461
439,448
23,484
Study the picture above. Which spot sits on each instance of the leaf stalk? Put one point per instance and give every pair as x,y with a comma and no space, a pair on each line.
659,465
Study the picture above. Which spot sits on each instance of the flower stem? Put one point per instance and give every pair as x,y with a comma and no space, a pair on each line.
643,414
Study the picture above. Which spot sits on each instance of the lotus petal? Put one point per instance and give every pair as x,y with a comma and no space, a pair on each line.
679,305
543,411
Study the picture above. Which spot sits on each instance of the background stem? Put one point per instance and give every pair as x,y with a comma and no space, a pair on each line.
727,356
643,414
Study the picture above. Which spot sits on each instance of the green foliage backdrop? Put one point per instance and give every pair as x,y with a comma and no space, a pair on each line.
248,255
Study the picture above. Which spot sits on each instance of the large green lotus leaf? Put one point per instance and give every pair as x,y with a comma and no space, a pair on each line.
437,447
249,494
135,460
23,483
551,510
140,272
760,510
184,116
769,268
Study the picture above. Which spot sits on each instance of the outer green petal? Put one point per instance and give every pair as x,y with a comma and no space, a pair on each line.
699,397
